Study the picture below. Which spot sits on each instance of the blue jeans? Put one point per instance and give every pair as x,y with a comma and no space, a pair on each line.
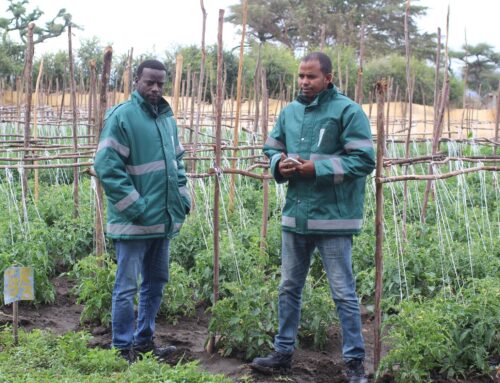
148,258
296,260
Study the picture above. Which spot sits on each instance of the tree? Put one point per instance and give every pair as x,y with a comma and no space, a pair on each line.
55,68
268,20
394,66
14,27
298,24
20,19
482,64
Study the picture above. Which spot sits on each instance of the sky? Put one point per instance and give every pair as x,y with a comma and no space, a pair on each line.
159,25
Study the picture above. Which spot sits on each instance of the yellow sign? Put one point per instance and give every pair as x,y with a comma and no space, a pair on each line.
18,284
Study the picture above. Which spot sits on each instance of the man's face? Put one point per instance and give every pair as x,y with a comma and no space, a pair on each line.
311,79
150,84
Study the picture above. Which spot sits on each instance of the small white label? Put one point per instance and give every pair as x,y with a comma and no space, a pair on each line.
321,132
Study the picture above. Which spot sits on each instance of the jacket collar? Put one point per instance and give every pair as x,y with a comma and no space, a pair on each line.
331,90
162,108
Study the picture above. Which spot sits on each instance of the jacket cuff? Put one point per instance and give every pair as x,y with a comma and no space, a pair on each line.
328,172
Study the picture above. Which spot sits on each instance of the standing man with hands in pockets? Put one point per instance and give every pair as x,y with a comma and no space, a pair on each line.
139,163
321,145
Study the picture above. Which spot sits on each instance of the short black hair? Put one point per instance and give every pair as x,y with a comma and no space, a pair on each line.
151,64
325,63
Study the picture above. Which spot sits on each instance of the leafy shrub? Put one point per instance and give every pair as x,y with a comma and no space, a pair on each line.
318,313
95,279
235,260
446,337
32,253
189,243
246,318
179,297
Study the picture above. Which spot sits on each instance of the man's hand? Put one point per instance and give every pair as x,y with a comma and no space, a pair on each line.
305,169
286,169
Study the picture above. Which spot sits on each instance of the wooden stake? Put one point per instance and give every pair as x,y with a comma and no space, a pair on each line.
438,118
218,139
15,321
409,95
99,195
35,120
177,85
379,227
28,72
497,120
200,84
75,120
265,182
238,102
358,94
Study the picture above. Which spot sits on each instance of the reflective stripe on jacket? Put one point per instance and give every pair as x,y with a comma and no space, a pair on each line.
139,163
334,132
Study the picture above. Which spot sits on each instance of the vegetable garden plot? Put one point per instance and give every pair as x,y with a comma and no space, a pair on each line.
458,242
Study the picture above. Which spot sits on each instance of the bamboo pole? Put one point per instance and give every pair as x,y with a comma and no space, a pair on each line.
75,118
238,102
99,197
379,227
211,344
35,127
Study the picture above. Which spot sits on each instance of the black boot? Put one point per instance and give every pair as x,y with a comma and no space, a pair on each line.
274,362
127,354
161,353
355,371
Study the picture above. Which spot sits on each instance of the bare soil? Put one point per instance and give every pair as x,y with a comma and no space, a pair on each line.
190,335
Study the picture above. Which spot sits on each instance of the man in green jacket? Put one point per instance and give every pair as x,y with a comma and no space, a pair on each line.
139,163
322,146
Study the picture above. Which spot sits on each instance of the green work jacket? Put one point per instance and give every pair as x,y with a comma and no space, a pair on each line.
139,163
334,132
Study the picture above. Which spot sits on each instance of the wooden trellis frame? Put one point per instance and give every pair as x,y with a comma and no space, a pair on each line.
27,146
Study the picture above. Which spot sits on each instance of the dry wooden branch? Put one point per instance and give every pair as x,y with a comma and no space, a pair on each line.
212,171
71,165
437,159
433,177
